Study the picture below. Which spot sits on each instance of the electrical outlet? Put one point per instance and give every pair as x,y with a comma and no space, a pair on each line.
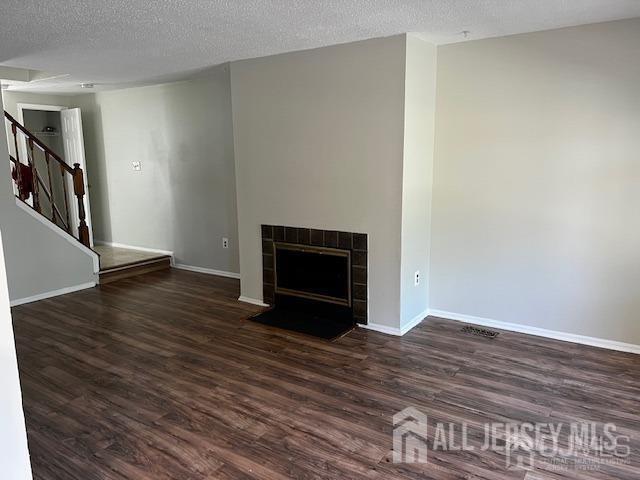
416,278
136,166
225,242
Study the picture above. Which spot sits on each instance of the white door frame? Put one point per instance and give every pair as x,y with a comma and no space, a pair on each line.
35,106
22,143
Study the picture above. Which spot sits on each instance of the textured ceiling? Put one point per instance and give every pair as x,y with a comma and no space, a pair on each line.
122,42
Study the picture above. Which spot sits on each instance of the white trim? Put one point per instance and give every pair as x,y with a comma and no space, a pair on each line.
252,301
53,293
539,332
398,332
54,228
208,271
381,328
133,247
35,106
415,321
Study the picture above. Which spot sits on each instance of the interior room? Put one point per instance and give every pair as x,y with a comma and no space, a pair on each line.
353,240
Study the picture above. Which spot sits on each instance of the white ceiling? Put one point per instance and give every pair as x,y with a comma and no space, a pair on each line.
124,42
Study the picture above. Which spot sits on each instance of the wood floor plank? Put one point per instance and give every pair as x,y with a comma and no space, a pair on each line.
162,376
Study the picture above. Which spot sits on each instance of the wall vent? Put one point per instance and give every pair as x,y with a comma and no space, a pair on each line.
480,332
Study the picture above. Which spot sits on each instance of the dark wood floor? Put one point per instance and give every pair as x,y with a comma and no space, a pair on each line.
162,377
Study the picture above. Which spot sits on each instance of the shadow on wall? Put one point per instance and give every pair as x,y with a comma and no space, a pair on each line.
201,171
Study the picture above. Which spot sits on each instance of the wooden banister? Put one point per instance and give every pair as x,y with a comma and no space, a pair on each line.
17,126
37,185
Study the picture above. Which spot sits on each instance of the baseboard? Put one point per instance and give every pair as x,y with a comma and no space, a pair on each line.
208,271
53,293
398,332
415,321
539,332
381,328
252,301
133,247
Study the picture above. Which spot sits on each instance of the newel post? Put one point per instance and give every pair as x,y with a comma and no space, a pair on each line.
78,190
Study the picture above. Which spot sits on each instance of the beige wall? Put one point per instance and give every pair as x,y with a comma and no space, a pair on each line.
417,176
535,216
318,143
183,199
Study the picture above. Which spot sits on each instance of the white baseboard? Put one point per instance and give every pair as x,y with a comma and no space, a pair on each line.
252,301
53,293
394,330
208,271
539,332
134,247
415,321
381,328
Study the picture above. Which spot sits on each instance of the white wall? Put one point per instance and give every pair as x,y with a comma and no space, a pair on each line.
14,455
535,215
183,199
417,176
318,143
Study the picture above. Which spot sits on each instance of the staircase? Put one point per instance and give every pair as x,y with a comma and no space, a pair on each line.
50,192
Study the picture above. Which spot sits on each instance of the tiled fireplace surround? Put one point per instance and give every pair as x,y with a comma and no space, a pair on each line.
355,242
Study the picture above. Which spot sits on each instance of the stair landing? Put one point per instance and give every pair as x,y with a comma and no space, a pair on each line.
118,263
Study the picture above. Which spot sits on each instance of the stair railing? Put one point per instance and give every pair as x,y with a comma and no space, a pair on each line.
35,185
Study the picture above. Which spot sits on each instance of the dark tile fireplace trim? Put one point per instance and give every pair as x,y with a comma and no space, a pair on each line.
355,242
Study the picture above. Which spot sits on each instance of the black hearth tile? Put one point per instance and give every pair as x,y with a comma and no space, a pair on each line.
361,320
359,241
359,308
267,247
317,237
291,235
330,238
359,258
267,261
344,240
278,234
267,276
359,275
267,232
304,236
359,291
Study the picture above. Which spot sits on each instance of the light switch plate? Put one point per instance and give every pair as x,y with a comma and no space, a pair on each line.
136,166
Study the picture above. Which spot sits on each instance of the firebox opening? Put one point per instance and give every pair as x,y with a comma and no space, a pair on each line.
317,273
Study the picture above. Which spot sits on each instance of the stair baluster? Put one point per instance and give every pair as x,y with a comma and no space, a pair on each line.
38,186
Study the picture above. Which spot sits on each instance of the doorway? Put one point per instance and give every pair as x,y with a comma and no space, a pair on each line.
60,129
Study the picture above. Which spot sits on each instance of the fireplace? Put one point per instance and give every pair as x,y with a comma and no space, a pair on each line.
319,275
316,273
